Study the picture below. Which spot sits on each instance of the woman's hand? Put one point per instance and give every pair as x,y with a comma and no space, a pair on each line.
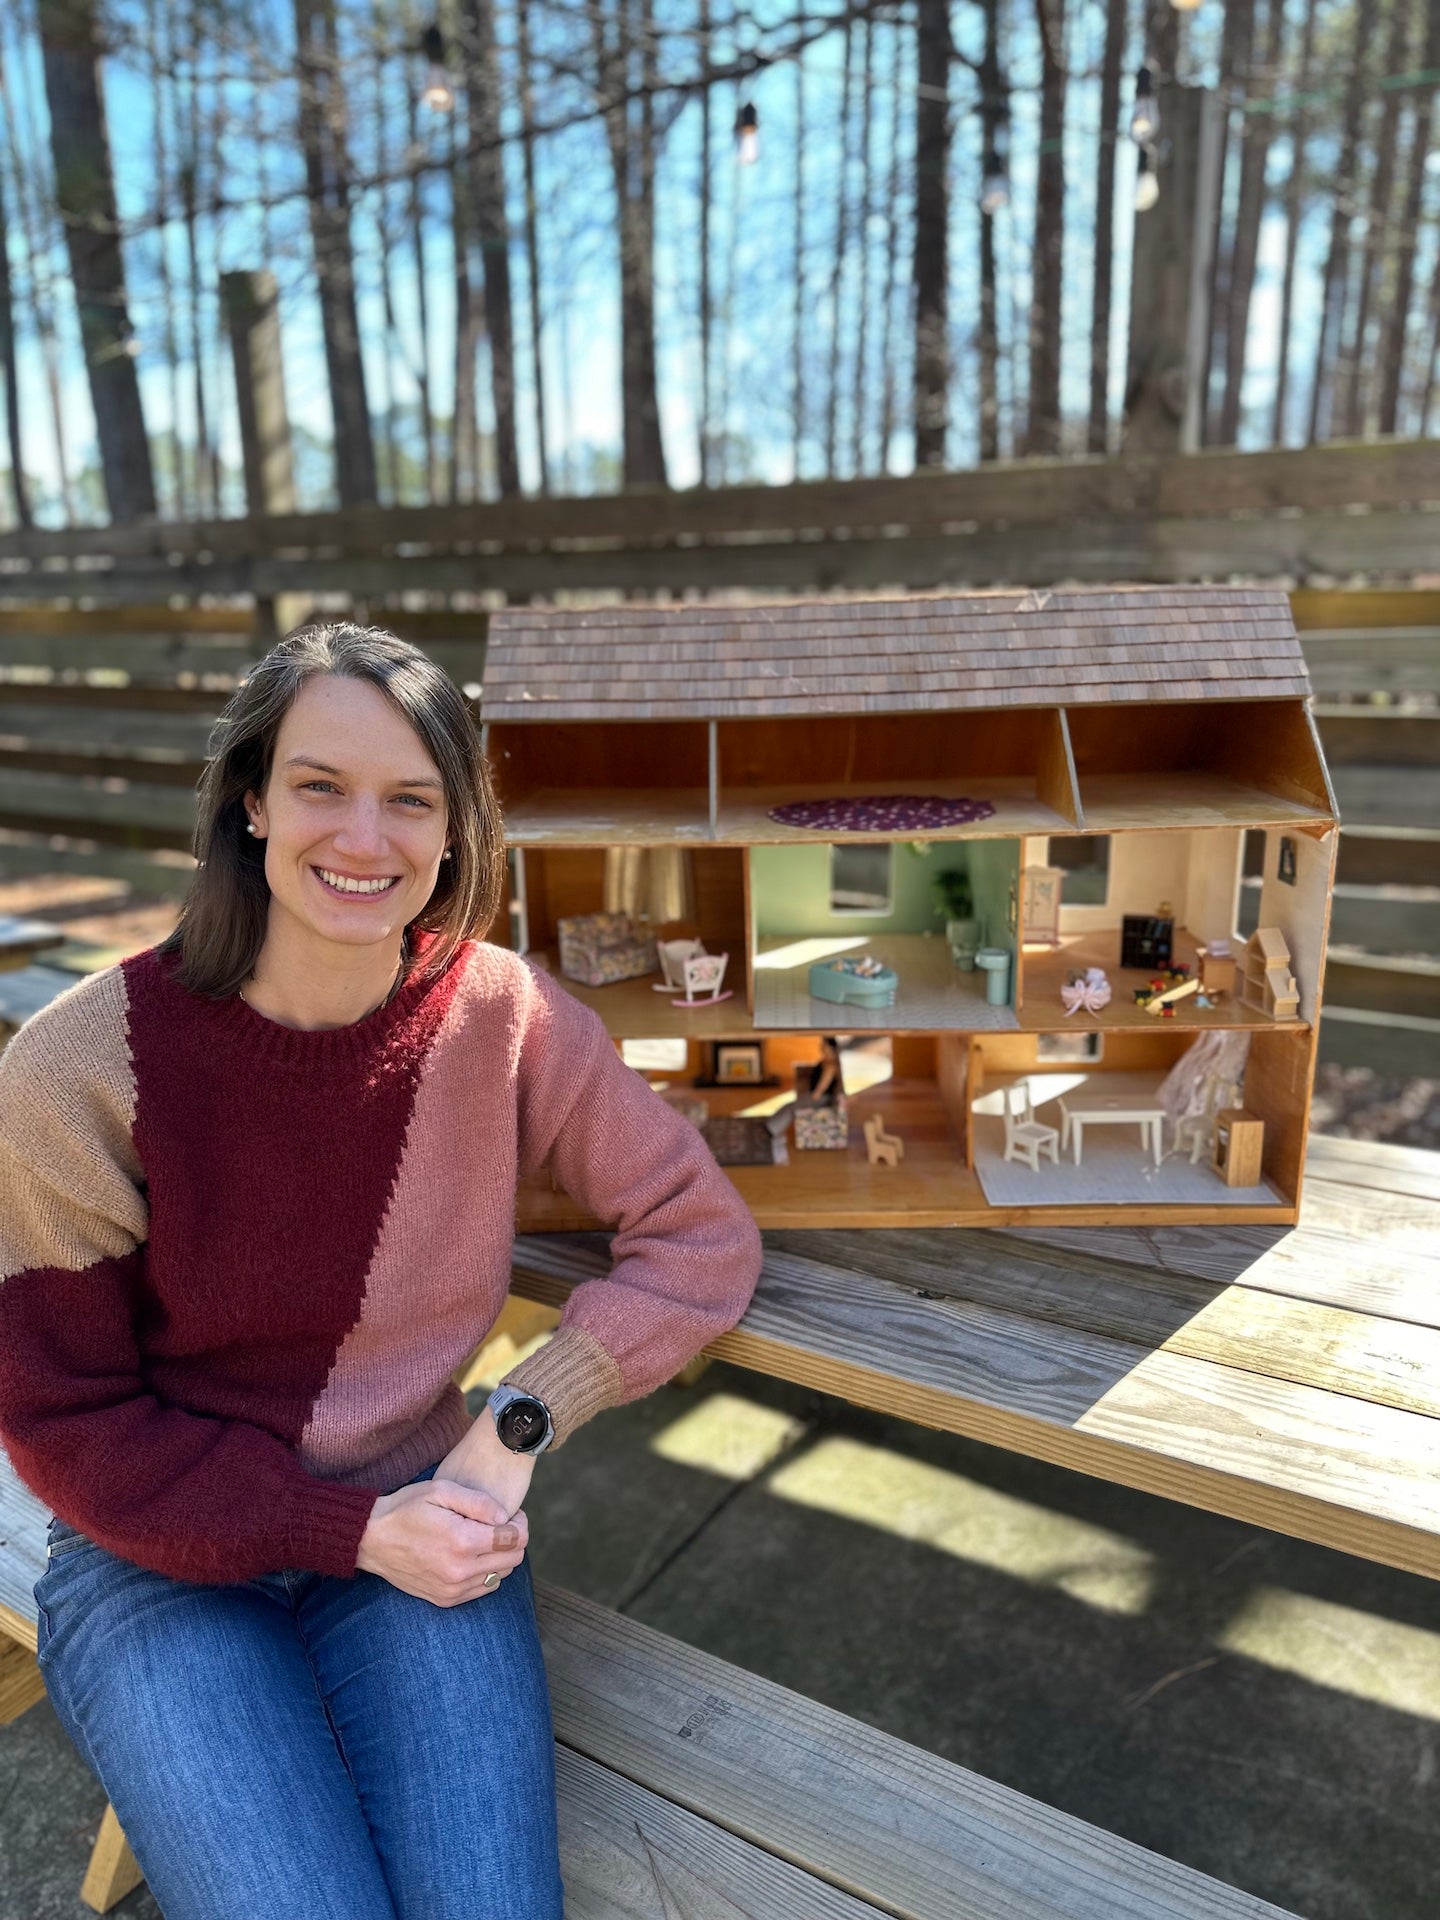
481,1459
439,1540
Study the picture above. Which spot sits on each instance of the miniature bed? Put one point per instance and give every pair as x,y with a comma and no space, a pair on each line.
1073,831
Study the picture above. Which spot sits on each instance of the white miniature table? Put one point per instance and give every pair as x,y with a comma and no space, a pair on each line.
1084,1108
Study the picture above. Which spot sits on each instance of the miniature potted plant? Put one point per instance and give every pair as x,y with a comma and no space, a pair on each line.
954,899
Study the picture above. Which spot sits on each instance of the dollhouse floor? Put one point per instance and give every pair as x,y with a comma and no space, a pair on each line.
933,995
1046,969
1115,1169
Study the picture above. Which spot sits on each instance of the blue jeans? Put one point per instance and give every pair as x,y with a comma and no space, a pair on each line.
310,1747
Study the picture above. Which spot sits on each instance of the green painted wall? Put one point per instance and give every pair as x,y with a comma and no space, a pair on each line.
994,869
790,889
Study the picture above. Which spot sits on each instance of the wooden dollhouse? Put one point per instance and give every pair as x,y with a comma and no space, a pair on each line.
1067,854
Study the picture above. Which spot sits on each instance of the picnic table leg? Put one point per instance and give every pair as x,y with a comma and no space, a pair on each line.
113,1869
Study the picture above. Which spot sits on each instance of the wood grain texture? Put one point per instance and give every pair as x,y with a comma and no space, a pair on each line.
916,1835
1142,1354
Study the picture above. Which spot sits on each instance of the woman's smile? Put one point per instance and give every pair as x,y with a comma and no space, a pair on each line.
343,886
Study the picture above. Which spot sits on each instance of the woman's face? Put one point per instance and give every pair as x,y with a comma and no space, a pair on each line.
353,795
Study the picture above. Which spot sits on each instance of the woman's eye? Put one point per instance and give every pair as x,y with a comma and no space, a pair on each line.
311,785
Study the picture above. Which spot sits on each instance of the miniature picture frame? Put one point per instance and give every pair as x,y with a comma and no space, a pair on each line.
1285,866
739,1063
1070,1048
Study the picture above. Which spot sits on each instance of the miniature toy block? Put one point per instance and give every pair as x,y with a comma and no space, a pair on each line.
1239,1147
884,1149
952,816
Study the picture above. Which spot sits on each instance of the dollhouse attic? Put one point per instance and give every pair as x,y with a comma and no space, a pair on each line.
1009,848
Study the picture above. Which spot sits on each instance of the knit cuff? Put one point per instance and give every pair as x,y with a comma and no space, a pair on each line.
325,1528
573,1374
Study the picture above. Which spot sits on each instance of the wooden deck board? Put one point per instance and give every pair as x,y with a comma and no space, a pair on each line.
1300,1401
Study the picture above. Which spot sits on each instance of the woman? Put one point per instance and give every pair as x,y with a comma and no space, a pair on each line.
257,1193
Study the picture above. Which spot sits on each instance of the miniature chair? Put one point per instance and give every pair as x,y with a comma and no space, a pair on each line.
884,1149
1197,1127
1026,1138
703,974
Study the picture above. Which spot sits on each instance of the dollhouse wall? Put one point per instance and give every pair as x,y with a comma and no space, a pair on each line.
1299,911
790,892
1198,873
994,882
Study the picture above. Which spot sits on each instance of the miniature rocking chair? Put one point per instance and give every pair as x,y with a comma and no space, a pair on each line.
884,1149
1026,1138
703,974
1197,1127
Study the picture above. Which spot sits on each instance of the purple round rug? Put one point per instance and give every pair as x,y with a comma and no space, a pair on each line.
881,813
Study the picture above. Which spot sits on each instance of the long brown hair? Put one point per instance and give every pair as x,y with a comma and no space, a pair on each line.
222,922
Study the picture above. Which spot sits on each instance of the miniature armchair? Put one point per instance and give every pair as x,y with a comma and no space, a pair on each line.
1026,1138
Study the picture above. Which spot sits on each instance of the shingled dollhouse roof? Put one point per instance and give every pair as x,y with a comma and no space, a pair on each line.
1071,647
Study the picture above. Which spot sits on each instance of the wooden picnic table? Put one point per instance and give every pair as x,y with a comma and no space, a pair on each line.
1286,1376
21,940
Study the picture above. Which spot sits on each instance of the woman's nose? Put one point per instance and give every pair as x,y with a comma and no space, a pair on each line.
363,827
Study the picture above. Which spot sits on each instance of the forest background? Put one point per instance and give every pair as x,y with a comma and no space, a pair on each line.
570,245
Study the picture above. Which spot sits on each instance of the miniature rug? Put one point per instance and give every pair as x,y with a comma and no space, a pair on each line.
881,813
738,1141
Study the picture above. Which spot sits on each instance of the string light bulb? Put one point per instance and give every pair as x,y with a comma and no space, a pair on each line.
1147,182
1185,6
437,94
747,135
1145,118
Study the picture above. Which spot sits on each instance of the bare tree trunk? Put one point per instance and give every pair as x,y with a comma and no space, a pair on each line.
492,226
327,174
1341,211
934,52
837,270
1377,232
28,199
532,235
1254,154
624,44
464,448
797,373
706,477
888,392
189,176
862,333
392,354
19,486
161,66
1237,41
1043,427
422,298
1110,66
85,193
1392,351
1294,192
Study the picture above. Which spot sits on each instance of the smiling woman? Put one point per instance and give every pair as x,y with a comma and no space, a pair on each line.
257,1202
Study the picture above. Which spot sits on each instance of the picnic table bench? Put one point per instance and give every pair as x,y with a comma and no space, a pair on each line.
1284,1376
686,1785
21,940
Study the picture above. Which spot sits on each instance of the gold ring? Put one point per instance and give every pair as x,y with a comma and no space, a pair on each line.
491,1580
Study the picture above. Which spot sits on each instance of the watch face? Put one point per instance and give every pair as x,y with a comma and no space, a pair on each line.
522,1425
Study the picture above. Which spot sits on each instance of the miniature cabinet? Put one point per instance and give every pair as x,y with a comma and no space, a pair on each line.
1042,904
728,750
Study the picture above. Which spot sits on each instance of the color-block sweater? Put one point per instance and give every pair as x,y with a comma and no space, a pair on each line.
240,1262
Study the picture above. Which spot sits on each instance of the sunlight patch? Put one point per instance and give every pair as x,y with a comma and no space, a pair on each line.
1385,1661
944,1510
729,1435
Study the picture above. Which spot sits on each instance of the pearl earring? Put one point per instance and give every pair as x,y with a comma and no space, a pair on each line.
251,827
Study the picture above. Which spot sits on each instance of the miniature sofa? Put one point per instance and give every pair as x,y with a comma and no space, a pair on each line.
861,982
597,949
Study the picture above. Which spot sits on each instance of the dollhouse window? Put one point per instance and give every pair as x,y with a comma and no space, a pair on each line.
1084,859
861,879
656,1056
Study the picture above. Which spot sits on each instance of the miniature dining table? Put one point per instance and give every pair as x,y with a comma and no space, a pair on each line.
1288,1377
1086,1107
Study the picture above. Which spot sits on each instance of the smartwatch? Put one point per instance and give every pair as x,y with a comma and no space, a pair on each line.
522,1421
